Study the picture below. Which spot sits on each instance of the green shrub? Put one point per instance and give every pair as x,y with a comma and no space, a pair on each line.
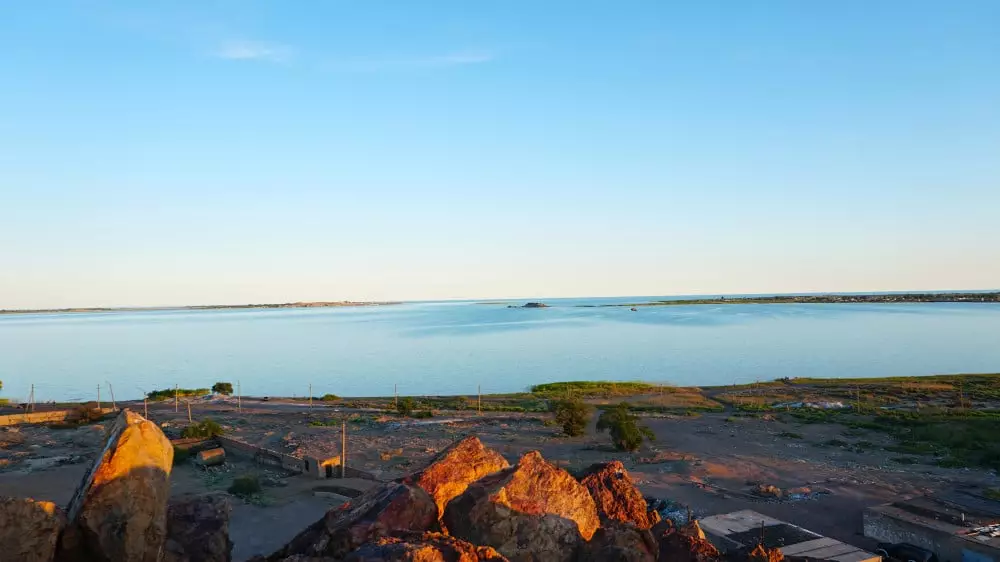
626,432
329,397
405,406
904,460
572,415
423,414
836,443
225,388
992,493
206,428
181,455
245,486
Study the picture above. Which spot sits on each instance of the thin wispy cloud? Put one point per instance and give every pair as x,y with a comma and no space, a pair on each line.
379,64
254,51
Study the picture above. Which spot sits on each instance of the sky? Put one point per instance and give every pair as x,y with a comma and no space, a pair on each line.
247,151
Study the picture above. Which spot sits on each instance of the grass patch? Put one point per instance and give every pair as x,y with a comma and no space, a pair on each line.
168,394
329,398
992,493
836,443
423,414
904,460
598,388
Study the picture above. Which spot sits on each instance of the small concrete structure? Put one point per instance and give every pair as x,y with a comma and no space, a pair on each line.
743,529
211,457
957,526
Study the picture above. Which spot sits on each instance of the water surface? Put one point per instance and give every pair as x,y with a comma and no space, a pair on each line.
451,347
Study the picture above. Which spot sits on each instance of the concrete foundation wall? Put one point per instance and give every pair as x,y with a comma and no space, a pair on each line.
44,417
948,546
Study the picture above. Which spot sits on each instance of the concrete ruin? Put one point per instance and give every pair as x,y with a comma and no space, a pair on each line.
745,529
958,526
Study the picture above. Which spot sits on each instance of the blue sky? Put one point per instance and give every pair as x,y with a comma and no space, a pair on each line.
156,153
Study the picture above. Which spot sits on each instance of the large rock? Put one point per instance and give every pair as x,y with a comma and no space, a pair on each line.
616,496
379,512
119,511
530,512
198,530
686,544
428,547
29,529
620,542
455,468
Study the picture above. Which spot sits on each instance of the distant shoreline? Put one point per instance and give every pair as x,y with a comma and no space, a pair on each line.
993,297
831,298
332,304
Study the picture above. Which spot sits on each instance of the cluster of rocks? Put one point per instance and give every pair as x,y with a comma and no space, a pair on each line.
468,505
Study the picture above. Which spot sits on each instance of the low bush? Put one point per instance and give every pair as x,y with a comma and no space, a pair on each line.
244,486
405,406
627,434
572,415
181,456
329,397
205,428
423,414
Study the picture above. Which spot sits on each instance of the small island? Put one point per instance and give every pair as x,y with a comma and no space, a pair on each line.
530,305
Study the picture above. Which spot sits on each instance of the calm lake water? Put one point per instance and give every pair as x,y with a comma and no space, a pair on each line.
451,347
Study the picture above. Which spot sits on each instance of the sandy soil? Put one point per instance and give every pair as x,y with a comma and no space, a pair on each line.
710,463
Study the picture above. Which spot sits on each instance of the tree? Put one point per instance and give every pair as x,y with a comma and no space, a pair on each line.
572,414
225,388
626,432
405,406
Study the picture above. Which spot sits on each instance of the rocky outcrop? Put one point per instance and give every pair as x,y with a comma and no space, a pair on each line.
379,512
529,512
455,468
119,512
428,547
686,544
763,554
29,529
616,496
198,530
620,542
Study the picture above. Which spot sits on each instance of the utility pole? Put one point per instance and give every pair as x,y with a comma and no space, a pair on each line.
145,407
176,400
188,402
479,405
31,399
239,397
343,449
310,396
111,390
395,396
98,397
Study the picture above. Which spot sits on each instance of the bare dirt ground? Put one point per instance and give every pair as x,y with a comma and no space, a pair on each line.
709,462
